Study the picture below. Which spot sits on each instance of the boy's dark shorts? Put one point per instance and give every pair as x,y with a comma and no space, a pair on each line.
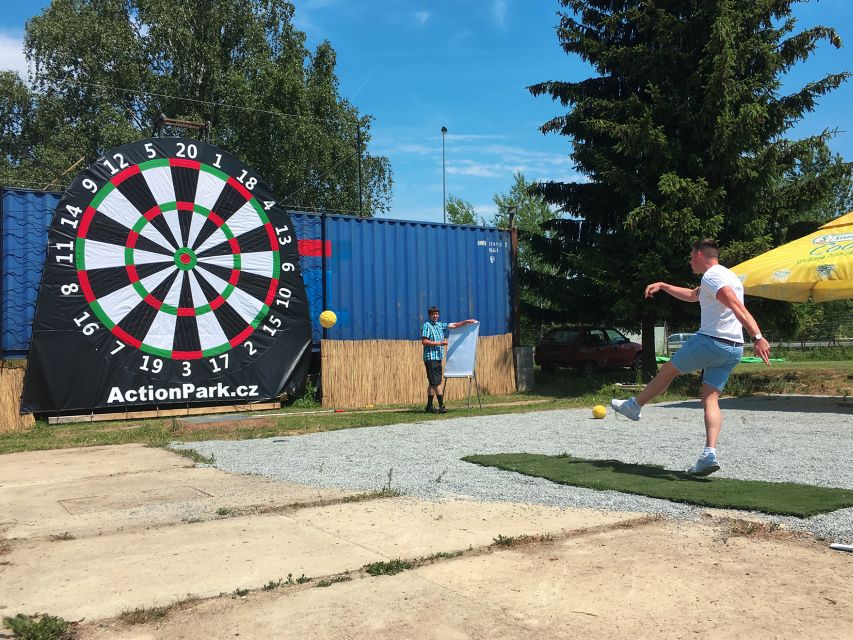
433,371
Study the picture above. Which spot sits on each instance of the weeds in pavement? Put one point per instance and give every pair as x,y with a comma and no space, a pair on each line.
194,455
272,584
373,495
504,541
224,511
144,615
240,592
61,536
330,581
389,568
39,627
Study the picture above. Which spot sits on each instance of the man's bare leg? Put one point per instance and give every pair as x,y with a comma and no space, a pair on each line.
659,383
713,415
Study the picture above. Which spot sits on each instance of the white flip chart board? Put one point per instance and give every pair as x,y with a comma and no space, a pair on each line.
461,351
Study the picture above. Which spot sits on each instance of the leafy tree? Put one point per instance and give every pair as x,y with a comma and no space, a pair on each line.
679,134
104,70
532,214
460,211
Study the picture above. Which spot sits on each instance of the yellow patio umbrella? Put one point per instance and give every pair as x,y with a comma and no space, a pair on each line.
818,266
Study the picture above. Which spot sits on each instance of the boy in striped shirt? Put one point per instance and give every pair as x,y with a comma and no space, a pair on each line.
434,339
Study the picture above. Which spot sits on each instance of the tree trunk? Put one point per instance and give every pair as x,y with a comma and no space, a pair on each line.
650,367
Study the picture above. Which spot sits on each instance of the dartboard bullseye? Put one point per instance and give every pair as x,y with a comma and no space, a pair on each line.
170,268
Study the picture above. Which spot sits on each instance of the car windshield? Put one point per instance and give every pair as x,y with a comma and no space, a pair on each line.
561,335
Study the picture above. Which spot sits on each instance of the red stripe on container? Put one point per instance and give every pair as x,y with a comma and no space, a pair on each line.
315,248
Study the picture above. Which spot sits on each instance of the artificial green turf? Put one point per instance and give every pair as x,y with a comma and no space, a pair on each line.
781,498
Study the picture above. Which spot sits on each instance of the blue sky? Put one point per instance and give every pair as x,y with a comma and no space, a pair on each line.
418,66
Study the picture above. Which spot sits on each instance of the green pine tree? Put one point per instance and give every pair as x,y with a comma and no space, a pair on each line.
679,135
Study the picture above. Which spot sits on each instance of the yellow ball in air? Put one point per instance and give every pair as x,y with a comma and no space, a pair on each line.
328,319
598,412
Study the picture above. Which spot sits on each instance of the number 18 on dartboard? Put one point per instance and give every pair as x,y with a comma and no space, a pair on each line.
172,277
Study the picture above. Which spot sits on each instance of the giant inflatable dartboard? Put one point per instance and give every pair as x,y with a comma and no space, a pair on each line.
172,277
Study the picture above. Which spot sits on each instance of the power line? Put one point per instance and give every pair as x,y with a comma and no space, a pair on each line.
196,101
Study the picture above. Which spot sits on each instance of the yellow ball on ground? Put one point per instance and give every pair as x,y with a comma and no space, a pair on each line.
328,319
598,411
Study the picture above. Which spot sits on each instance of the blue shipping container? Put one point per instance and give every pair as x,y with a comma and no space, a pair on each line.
382,275
379,276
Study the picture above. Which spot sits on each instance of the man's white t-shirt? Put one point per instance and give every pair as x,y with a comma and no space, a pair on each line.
717,319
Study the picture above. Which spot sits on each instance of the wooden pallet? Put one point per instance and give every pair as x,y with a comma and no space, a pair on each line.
164,413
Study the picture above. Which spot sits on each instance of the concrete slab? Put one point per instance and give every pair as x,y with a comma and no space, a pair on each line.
95,506
102,489
63,465
101,577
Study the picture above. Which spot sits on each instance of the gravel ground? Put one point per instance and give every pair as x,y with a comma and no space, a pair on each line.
780,439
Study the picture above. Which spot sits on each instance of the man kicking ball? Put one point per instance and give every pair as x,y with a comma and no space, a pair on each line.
716,348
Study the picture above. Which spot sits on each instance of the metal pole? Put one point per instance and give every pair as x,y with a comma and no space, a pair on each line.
358,145
443,183
513,231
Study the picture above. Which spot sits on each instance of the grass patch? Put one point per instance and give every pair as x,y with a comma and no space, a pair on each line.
390,568
194,455
504,541
39,627
143,615
780,498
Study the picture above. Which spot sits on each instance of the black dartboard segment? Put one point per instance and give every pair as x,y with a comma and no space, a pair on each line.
172,277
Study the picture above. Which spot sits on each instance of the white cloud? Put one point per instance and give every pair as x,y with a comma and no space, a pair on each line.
422,17
12,54
477,169
499,11
417,149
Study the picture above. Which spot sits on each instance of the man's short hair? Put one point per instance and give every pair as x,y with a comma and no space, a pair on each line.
432,309
708,247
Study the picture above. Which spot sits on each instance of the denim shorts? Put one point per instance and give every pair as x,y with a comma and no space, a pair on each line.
715,357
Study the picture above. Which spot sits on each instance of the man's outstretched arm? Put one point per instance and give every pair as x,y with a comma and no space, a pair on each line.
682,293
453,325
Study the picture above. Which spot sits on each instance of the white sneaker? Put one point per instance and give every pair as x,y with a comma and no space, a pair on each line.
628,408
705,465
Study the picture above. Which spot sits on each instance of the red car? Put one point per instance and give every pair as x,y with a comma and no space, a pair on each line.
587,349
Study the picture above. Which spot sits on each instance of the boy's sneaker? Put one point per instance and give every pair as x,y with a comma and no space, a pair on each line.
628,408
442,408
705,465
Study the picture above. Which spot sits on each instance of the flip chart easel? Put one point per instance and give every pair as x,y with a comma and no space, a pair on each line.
461,355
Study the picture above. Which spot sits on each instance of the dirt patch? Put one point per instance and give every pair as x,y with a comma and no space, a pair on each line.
223,426
662,578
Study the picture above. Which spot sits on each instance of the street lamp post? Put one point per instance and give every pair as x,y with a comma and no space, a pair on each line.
443,183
